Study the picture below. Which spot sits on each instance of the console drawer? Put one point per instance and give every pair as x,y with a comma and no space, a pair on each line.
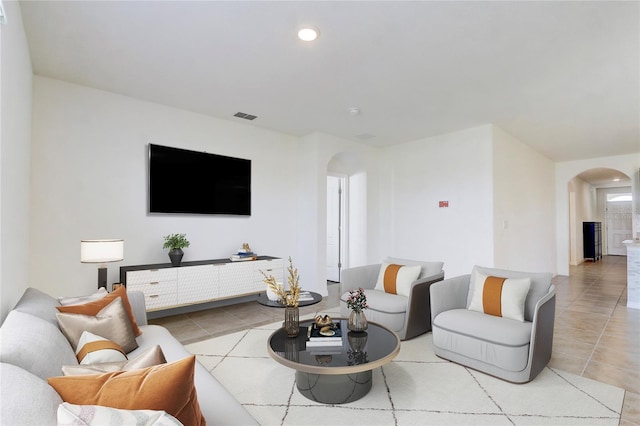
160,301
151,276
155,287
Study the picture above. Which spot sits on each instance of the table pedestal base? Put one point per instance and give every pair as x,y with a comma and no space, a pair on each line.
334,389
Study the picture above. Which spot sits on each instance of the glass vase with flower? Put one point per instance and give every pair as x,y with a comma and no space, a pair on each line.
357,302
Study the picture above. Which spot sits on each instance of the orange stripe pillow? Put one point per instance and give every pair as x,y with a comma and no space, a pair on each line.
397,279
94,349
501,297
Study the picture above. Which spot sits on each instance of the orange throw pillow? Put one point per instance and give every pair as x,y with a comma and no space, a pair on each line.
92,308
167,387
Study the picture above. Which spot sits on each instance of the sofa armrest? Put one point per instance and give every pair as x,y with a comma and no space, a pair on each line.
449,294
542,331
359,276
136,300
419,307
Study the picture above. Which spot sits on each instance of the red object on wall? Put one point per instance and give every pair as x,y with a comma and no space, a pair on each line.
443,204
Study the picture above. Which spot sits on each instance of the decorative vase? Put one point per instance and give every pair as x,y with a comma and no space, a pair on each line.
291,321
176,256
357,321
272,295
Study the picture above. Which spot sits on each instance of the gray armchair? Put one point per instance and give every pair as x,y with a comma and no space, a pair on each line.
407,316
506,348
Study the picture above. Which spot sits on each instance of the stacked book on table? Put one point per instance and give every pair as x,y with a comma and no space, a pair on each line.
324,343
243,255
305,296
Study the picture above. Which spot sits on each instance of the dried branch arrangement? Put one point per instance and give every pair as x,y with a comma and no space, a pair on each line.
288,298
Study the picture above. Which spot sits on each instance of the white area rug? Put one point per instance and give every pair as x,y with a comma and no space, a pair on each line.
417,388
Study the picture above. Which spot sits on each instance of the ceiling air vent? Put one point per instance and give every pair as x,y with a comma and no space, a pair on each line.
245,116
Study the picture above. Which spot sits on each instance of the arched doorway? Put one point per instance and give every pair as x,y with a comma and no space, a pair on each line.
601,195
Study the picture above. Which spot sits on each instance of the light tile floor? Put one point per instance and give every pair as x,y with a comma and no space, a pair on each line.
596,335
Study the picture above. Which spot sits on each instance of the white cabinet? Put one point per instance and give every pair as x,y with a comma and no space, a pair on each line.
198,282
240,278
158,285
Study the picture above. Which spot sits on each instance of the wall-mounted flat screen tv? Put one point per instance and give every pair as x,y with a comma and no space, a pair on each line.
183,181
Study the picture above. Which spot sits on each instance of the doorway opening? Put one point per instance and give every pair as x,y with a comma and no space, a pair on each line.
618,222
600,195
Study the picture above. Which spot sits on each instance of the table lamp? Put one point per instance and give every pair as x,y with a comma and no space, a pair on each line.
101,251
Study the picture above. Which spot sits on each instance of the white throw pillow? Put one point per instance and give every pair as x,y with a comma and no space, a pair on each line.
503,297
79,300
72,414
397,279
93,349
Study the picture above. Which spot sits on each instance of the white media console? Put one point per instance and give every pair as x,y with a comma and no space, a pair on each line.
167,287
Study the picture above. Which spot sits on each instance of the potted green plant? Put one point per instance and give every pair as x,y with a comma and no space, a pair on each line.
175,243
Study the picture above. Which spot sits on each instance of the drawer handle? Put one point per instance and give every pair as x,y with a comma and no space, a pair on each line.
153,296
154,282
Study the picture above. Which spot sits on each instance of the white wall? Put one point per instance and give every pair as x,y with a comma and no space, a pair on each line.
456,167
565,171
89,180
524,206
15,135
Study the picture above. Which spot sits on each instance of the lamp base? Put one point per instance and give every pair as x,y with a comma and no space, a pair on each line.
102,278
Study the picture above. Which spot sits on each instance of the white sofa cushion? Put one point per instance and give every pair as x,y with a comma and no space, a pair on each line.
26,399
35,345
494,340
38,304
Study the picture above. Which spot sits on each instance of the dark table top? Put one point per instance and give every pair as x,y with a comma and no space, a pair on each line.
358,352
264,300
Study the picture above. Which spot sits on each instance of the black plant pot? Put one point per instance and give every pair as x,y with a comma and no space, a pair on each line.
176,256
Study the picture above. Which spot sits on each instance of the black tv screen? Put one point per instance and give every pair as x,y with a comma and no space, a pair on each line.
183,181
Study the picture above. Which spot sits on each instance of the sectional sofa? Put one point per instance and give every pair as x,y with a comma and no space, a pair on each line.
33,348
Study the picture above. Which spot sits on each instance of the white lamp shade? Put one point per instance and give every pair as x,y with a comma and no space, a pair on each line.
101,251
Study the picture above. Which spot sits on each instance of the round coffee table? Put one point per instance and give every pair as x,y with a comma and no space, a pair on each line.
335,374
264,300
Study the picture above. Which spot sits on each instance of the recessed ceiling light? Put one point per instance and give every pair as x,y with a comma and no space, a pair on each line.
308,34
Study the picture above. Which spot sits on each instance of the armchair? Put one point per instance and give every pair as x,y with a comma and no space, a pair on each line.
513,350
407,315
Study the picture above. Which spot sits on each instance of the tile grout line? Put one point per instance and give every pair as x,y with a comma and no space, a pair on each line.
595,346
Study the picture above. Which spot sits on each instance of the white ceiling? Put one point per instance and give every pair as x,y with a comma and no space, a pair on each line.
562,77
